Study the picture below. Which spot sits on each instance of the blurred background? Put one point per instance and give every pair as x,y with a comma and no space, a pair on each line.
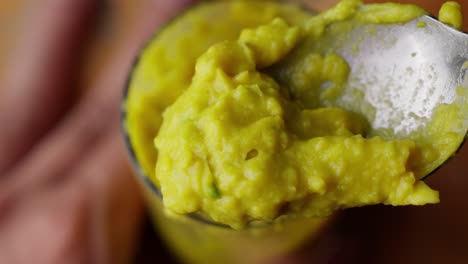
430,234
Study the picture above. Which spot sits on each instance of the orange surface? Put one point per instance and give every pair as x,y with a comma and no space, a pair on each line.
113,25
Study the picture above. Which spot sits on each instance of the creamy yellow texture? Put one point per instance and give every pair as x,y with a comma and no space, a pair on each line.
166,66
237,146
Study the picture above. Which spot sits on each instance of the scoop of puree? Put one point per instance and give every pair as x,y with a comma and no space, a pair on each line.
235,144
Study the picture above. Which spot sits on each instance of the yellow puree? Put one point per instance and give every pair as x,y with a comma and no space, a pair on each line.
235,145
450,14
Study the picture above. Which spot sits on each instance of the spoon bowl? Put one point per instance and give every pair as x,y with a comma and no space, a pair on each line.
401,75
406,71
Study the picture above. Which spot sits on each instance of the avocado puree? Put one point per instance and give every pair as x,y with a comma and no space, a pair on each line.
450,14
241,125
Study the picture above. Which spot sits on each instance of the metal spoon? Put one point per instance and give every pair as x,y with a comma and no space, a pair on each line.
405,71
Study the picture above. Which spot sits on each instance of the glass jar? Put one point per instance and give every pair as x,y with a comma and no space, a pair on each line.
197,240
